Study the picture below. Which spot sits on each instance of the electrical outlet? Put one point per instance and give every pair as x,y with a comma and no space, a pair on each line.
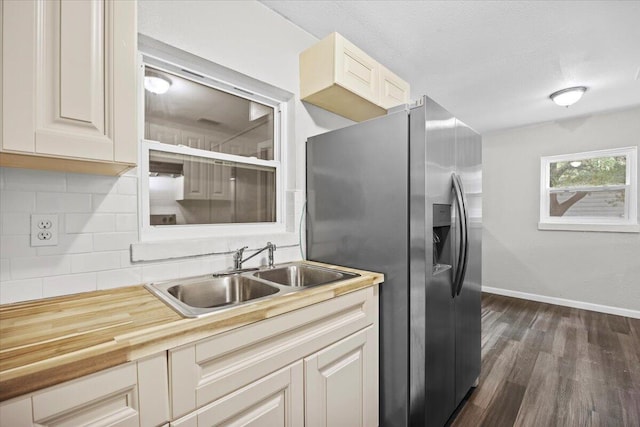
44,229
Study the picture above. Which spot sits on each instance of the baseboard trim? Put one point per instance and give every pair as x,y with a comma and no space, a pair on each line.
564,302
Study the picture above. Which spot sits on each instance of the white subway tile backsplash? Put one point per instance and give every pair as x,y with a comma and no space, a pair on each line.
83,183
90,223
118,278
68,284
63,202
69,244
126,222
160,272
128,185
17,201
20,290
98,221
125,259
113,241
16,246
194,267
39,266
95,261
116,203
5,269
15,223
33,180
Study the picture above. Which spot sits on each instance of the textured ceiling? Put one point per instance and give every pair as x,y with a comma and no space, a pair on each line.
493,63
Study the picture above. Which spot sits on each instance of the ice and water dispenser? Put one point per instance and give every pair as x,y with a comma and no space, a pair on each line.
441,238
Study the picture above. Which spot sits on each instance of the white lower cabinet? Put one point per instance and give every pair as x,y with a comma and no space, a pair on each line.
133,394
252,376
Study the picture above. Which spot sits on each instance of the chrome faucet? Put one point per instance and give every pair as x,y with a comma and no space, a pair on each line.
237,256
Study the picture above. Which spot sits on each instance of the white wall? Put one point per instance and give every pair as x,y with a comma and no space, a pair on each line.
98,214
589,267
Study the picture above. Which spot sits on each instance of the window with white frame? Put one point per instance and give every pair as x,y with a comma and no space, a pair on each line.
211,156
591,191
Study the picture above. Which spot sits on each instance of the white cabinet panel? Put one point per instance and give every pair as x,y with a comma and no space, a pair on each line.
82,79
69,85
106,398
276,400
393,90
16,413
336,386
196,172
356,70
153,390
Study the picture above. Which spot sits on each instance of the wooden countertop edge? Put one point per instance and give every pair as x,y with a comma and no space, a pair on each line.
154,339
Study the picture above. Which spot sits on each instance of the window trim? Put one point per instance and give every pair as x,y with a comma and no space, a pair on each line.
627,224
164,57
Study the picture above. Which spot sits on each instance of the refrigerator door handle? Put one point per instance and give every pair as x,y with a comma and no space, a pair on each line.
463,253
457,277
464,220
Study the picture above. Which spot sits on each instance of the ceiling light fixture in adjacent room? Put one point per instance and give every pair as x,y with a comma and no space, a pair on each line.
156,84
569,96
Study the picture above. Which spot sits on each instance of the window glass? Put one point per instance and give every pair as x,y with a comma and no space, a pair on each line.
199,116
591,204
187,189
609,170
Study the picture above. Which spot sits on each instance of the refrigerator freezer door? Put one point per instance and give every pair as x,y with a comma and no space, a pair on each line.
433,128
467,302
357,195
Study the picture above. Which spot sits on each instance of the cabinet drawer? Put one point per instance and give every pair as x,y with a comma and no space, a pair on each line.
133,394
109,394
204,372
276,400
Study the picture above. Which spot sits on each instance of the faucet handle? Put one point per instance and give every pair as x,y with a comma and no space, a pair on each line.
237,258
238,253
272,249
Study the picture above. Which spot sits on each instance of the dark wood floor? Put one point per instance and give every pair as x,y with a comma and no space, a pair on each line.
546,365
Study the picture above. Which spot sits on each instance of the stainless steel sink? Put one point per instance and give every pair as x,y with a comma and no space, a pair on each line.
197,296
303,275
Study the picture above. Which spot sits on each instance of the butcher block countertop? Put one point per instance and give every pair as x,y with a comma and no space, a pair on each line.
46,342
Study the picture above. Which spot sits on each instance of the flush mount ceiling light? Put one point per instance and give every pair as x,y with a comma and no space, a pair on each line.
569,96
156,84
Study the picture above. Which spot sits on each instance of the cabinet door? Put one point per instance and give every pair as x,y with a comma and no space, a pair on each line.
106,398
70,79
341,383
393,90
356,71
219,176
196,172
276,400
17,412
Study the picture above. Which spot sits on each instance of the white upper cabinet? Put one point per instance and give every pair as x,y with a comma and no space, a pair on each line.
338,76
69,85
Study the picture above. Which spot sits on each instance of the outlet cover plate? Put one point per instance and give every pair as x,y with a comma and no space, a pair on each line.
44,229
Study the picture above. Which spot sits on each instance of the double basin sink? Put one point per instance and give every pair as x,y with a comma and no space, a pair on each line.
197,296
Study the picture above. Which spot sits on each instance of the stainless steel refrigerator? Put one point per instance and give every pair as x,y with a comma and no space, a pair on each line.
402,195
